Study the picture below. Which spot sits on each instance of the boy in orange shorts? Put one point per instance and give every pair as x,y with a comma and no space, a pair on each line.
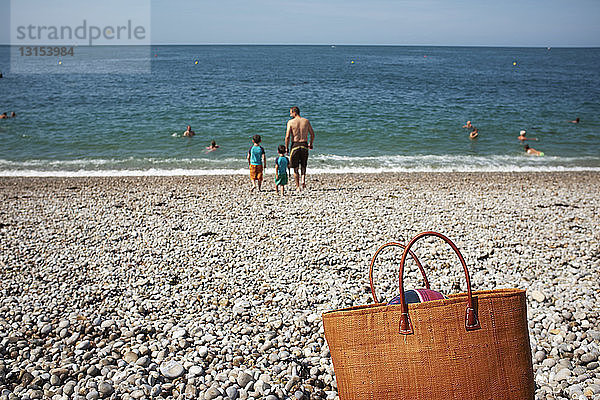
256,161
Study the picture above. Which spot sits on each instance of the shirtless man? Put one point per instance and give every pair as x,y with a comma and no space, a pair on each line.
189,132
297,132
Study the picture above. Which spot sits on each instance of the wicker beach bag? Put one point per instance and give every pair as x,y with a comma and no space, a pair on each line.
471,346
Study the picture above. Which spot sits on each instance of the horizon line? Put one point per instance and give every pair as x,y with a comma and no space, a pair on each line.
310,44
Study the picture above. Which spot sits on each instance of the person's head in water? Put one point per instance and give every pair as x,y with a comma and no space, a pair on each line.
281,149
256,139
526,147
189,128
13,114
294,111
213,144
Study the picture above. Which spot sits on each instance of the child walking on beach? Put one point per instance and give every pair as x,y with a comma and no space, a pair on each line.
256,160
282,170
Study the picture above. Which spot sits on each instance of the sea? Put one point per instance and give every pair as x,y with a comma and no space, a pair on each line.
122,111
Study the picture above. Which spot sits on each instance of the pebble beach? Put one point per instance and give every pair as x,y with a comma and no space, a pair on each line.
194,287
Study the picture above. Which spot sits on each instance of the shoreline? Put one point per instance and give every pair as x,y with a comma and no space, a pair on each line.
154,172
351,175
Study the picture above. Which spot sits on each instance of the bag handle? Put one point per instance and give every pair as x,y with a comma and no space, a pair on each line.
471,320
375,257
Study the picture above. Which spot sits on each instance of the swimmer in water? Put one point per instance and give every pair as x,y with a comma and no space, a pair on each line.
474,133
189,132
13,114
213,146
576,121
468,125
522,137
3,116
532,151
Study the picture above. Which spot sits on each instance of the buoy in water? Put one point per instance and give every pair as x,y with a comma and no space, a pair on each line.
352,62
514,63
196,62
59,62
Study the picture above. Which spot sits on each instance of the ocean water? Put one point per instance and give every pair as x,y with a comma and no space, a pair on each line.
121,111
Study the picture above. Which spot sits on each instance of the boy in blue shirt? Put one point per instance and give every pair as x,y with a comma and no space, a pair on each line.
256,160
282,170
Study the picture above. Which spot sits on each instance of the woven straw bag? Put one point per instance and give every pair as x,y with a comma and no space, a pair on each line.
471,346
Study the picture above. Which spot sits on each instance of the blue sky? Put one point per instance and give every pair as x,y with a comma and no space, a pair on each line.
554,23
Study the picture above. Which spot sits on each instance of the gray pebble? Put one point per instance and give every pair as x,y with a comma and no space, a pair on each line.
92,395
562,374
46,329
243,379
232,393
588,357
143,361
105,389
84,345
540,356
212,393
68,389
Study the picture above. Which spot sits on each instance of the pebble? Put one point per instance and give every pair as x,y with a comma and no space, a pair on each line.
562,374
203,351
54,380
46,329
130,283
84,345
232,393
588,357
243,379
171,369
68,389
143,361
212,393
105,389
180,333
130,357
537,296
540,355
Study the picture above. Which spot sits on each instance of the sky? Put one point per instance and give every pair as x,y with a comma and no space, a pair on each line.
556,23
